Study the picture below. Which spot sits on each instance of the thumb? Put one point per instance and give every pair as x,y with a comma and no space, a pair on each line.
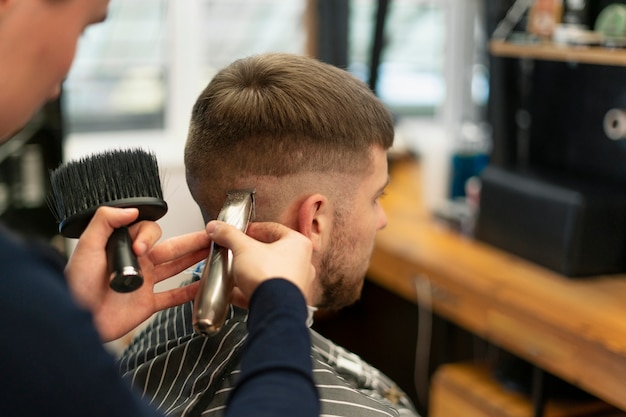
226,235
105,220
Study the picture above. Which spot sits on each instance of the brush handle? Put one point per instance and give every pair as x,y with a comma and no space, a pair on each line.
125,273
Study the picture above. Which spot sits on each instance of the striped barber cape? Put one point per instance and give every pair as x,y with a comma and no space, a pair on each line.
185,374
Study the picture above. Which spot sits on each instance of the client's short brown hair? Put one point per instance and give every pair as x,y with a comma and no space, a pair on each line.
273,115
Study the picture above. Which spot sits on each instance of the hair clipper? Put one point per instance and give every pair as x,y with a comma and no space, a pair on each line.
216,281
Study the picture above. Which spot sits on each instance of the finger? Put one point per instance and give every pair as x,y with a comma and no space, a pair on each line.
167,269
144,235
179,247
239,299
267,232
104,221
176,296
227,236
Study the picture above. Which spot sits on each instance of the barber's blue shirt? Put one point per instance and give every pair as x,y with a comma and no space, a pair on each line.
52,361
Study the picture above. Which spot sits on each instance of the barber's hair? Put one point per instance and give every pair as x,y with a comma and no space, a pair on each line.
279,114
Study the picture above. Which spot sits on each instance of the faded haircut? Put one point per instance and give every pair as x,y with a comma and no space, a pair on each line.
280,114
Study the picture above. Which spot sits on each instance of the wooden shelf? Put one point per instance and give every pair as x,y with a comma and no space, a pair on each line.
471,390
551,52
572,328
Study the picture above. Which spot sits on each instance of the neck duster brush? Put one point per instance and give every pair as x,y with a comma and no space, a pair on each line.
121,178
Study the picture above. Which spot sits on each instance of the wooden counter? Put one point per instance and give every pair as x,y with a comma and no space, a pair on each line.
573,328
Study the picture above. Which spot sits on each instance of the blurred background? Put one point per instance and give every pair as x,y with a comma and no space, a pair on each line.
519,105
137,75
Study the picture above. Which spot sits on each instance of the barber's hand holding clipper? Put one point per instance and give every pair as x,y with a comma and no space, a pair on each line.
115,314
269,250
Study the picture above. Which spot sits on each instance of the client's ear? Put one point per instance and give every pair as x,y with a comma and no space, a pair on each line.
315,219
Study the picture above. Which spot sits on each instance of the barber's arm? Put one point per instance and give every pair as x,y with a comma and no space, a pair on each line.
115,314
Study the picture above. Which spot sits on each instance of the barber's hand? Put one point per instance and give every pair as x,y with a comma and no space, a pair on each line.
270,250
115,314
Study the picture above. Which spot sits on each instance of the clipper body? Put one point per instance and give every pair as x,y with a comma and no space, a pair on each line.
216,281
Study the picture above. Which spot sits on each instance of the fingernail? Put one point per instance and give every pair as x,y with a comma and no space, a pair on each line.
210,227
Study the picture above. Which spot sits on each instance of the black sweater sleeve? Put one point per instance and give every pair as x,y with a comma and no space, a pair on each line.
276,372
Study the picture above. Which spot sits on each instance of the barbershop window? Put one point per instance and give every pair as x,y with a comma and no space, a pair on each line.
144,66
152,57
433,61
119,77
411,73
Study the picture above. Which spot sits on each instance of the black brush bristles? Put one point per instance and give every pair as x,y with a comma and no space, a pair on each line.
118,178
79,187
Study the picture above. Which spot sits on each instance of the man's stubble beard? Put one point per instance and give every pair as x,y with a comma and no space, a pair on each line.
341,284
